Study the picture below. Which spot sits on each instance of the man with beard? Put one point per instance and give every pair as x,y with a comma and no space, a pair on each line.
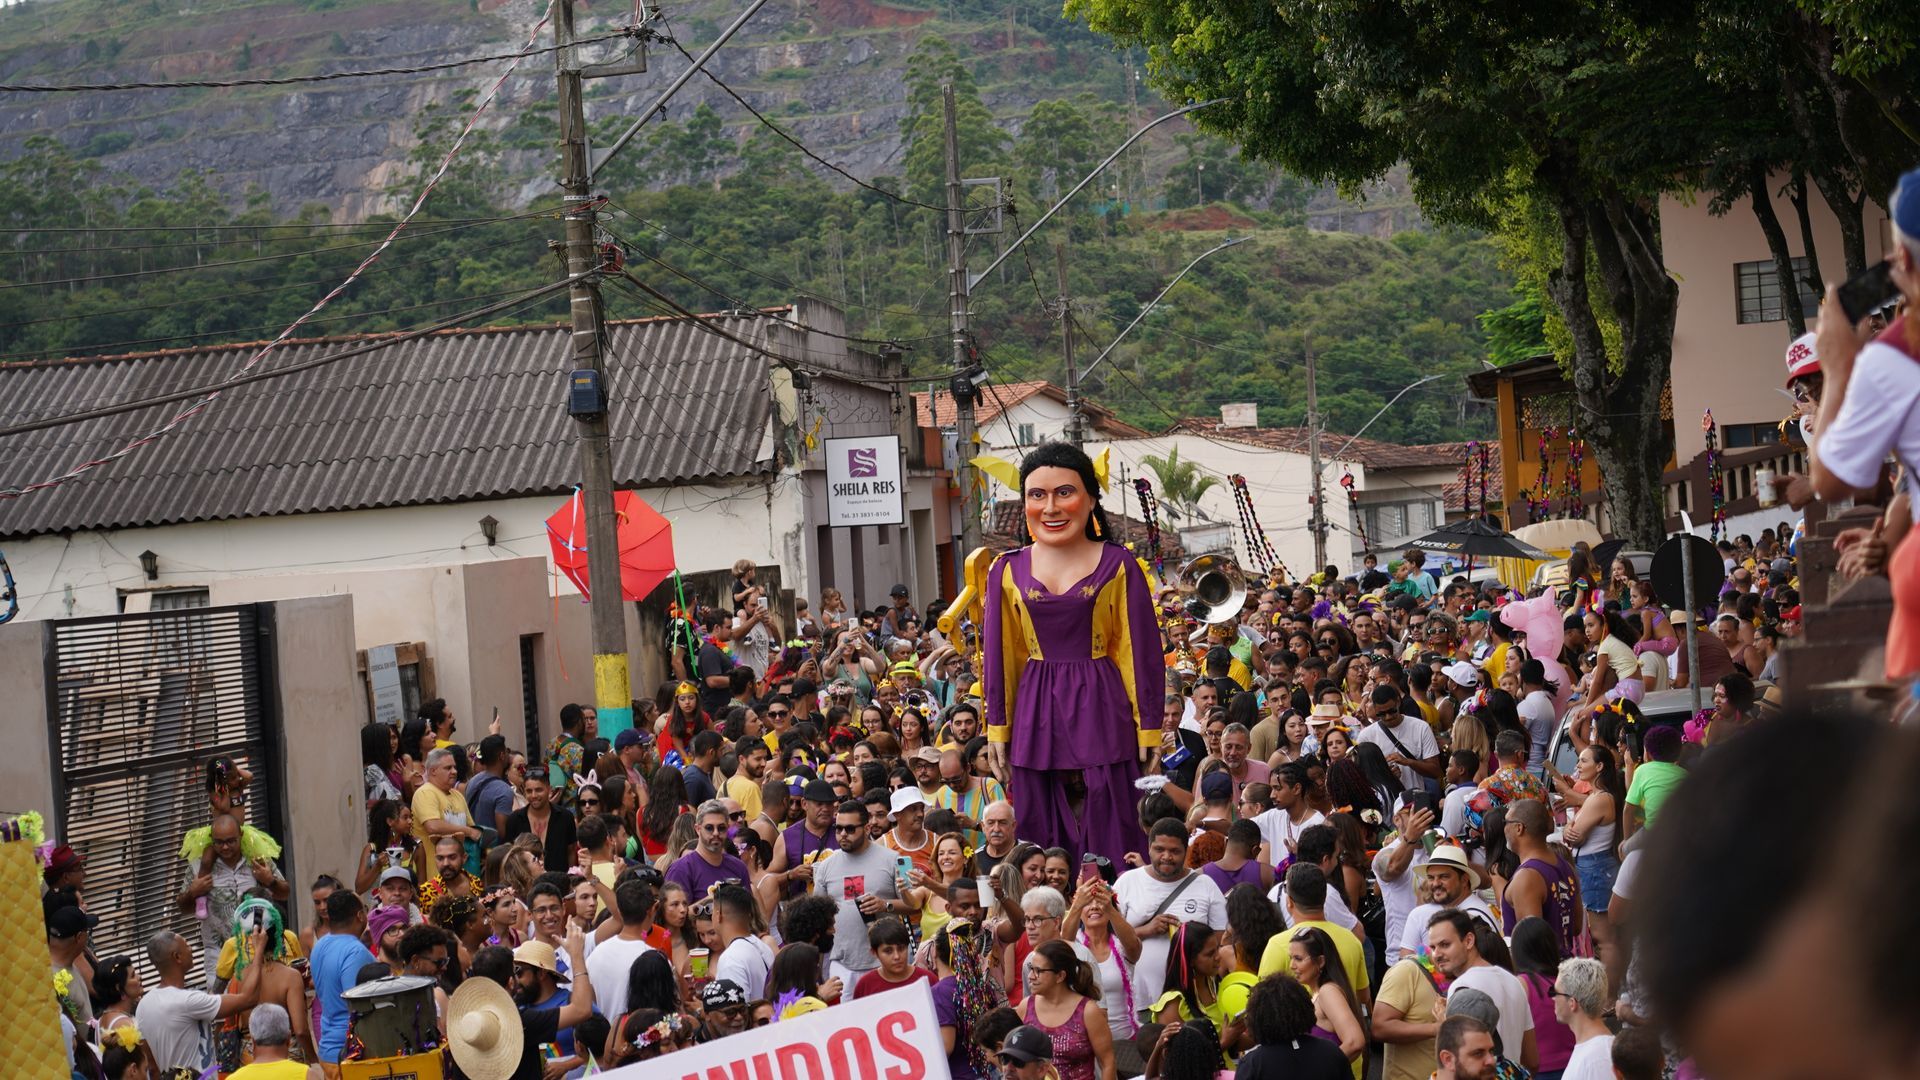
803,842
1465,1050
540,1024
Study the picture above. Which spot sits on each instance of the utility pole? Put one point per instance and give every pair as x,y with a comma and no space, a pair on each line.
612,697
1319,521
962,388
1075,434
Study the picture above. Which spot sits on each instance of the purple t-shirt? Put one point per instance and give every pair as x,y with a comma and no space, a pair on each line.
696,875
946,1013
1248,874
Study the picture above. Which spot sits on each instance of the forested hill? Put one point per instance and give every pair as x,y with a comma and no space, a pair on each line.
832,71
139,220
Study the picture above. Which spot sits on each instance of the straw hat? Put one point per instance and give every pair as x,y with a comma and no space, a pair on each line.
537,954
484,1031
1444,855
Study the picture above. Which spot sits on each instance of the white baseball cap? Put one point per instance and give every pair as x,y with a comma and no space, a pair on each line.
908,796
1462,673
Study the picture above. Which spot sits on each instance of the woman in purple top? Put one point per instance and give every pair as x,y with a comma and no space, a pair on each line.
1073,670
1536,959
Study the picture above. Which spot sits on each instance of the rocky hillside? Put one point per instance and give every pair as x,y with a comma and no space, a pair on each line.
831,71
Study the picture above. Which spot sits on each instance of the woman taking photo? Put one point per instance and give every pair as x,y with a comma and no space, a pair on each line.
1594,836
856,660
1115,947
1315,963
951,862
1063,1001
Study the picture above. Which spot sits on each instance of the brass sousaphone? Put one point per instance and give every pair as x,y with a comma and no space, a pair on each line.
1214,587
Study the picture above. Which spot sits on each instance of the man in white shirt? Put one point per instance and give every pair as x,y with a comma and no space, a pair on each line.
1451,880
1579,998
1451,940
1408,746
1280,827
1161,895
611,960
1400,868
744,959
177,1022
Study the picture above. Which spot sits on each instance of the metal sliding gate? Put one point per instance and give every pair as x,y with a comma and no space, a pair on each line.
138,706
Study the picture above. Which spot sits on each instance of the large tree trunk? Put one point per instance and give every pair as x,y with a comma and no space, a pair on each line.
1760,190
1618,413
1797,194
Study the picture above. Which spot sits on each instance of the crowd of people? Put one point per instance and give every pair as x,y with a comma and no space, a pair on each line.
1356,853
1356,849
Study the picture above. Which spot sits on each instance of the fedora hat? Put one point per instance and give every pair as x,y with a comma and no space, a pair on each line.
1448,855
484,1031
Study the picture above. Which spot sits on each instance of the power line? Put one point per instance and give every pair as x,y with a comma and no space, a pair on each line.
89,279
289,80
41,354
242,372
777,280
802,147
243,379
234,226
78,316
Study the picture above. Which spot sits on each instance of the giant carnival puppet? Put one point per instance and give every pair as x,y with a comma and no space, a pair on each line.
1072,666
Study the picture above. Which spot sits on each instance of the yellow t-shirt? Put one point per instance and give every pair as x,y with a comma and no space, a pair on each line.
270,1070
1496,664
432,804
745,792
1352,957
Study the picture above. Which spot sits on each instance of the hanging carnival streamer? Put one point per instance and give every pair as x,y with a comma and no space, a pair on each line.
1359,520
1257,542
1486,460
1576,454
1716,483
1466,477
1545,486
1150,513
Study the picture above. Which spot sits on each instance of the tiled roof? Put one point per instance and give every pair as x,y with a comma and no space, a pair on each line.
1455,490
1372,453
455,416
935,409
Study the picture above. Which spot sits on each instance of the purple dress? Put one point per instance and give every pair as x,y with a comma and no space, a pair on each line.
1075,682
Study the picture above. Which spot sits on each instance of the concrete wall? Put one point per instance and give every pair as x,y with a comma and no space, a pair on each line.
1279,482
26,769
1719,363
321,711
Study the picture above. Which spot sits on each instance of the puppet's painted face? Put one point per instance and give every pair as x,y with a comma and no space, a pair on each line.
1058,505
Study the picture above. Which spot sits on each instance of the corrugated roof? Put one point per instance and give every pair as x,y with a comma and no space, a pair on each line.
1372,453
459,415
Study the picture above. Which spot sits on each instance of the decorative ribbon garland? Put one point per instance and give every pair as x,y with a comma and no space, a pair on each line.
1466,477
1486,461
1545,486
1250,521
1716,483
1576,454
1150,512
1359,520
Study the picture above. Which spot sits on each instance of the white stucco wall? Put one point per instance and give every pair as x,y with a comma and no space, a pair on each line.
1278,481
712,526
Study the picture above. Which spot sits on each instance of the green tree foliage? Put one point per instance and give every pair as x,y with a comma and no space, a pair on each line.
982,144
1181,482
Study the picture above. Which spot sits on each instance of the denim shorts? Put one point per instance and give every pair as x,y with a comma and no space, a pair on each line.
1596,872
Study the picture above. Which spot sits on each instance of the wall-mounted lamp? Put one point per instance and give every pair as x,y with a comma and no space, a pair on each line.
150,563
490,529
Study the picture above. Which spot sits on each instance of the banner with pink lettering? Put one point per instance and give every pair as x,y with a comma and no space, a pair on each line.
889,1036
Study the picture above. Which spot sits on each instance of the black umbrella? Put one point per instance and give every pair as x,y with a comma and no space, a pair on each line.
1476,538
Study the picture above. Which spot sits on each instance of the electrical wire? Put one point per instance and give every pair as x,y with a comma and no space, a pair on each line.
737,302
802,147
246,377
446,162
226,288
289,80
43,354
783,282
382,244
